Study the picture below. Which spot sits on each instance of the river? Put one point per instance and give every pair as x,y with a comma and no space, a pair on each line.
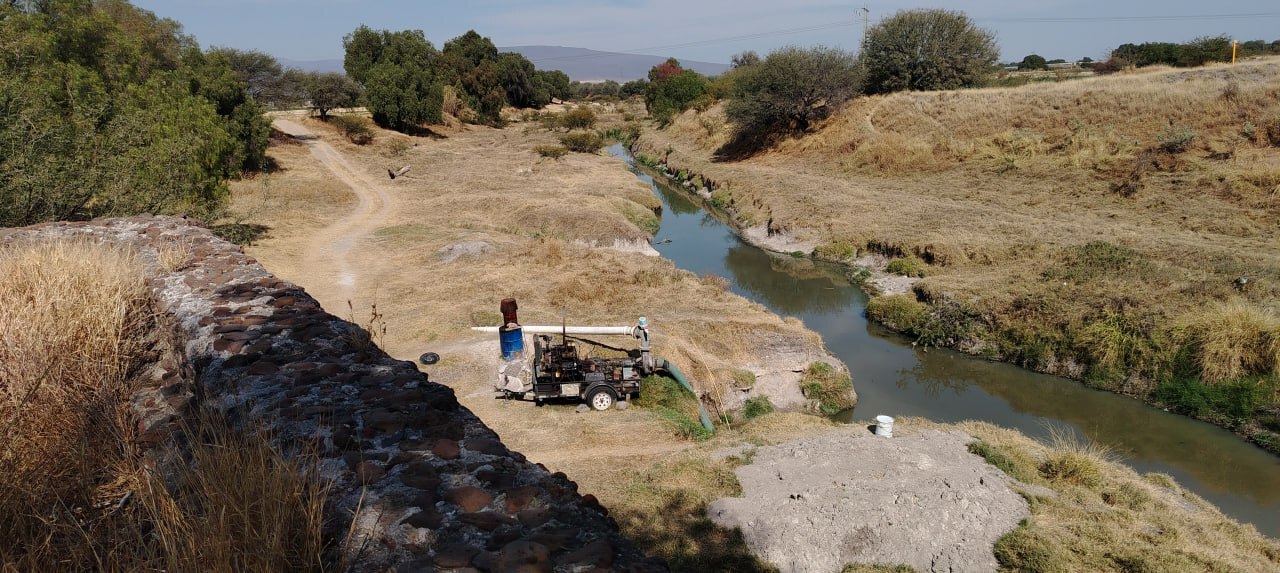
892,377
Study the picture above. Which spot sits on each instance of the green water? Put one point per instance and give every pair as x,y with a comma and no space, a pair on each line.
896,379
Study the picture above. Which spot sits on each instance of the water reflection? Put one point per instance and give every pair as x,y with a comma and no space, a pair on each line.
894,377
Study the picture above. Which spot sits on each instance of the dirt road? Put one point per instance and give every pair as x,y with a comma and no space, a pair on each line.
327,254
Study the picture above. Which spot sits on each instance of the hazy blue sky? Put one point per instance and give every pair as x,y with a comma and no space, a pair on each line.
709,30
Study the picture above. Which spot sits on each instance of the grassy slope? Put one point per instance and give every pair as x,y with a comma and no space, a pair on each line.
1090,228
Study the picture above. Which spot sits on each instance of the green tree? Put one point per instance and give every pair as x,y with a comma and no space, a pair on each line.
517,75
326,91
109,110
672,89
1033,62
556,83
258,71
927,50
792,88
397,70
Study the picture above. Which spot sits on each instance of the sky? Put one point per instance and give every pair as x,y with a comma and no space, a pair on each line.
708,30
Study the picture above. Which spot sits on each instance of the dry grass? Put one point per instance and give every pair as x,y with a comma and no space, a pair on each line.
1099,515
1056,212
73,316
1234,339
75,494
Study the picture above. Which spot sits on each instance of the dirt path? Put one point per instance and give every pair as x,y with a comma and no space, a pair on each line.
327,254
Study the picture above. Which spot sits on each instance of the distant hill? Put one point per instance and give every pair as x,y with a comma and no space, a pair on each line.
580,63
592,65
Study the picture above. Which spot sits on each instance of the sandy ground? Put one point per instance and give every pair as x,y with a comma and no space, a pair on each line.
813,505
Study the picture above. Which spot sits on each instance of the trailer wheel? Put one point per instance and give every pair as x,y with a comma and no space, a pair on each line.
601,399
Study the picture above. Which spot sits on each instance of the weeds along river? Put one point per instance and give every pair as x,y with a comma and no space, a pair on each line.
894,378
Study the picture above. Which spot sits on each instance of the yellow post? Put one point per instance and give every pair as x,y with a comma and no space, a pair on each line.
1234,45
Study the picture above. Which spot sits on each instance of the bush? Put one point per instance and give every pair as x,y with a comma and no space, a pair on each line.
1176,138
578,118
552,151
355,128
583,142
756,407
899,312
927,50
792,89
907,266
675,405
831,388
1232,340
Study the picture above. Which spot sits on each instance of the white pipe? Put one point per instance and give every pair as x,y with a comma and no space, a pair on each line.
616,330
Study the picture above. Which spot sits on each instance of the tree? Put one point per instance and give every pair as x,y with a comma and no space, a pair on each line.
109,110
1033,62
792,88
633,88
326,91
258,71
927,50
556,83
517,76
747,58
398,72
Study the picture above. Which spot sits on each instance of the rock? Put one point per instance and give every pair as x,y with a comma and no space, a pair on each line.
454,555
523,555
519,498
369,472
446,449
598,553
622,404
428,518
469,498
582,409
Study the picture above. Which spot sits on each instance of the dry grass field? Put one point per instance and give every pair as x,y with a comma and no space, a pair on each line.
76,493
1122,229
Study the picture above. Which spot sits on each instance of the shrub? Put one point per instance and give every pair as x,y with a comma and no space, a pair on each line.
580,117
1001,460
1024,549
927,50
838,251
1272,130
1176,138
1234,340
792,89
831,388
675,405
743,379
756,407
355,128
583,142
907,266
899,312
1074,460
552,151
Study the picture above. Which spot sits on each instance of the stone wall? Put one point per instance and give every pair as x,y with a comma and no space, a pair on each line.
420,482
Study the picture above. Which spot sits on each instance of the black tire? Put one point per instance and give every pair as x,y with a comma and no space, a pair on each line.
601,398
429,358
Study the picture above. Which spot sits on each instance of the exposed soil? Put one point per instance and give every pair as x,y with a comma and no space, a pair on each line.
817,504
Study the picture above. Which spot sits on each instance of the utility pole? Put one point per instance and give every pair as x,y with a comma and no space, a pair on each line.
866,16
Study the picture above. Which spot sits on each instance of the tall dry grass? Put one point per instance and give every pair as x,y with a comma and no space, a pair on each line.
1235,339
75,493
72,319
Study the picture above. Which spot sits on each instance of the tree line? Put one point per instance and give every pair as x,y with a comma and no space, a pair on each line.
405,78
109,110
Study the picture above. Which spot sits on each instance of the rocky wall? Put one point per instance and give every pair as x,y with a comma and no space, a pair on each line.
419,481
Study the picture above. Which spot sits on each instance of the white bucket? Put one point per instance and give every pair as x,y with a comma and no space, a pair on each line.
884,426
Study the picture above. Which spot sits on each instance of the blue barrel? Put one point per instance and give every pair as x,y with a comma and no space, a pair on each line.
512,342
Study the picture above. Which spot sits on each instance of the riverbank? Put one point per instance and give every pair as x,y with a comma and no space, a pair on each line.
453,251
1082,247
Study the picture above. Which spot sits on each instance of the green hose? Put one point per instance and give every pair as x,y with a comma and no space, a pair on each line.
679,377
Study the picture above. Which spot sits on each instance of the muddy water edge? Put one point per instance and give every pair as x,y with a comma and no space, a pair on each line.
894,377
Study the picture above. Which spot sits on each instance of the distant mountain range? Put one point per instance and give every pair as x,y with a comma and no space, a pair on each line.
592,65
580,63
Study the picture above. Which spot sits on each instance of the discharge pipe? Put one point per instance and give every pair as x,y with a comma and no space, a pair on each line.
674,371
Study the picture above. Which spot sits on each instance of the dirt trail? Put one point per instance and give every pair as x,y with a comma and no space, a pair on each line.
327,254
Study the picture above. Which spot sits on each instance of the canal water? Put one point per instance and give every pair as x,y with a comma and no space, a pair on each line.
892,377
